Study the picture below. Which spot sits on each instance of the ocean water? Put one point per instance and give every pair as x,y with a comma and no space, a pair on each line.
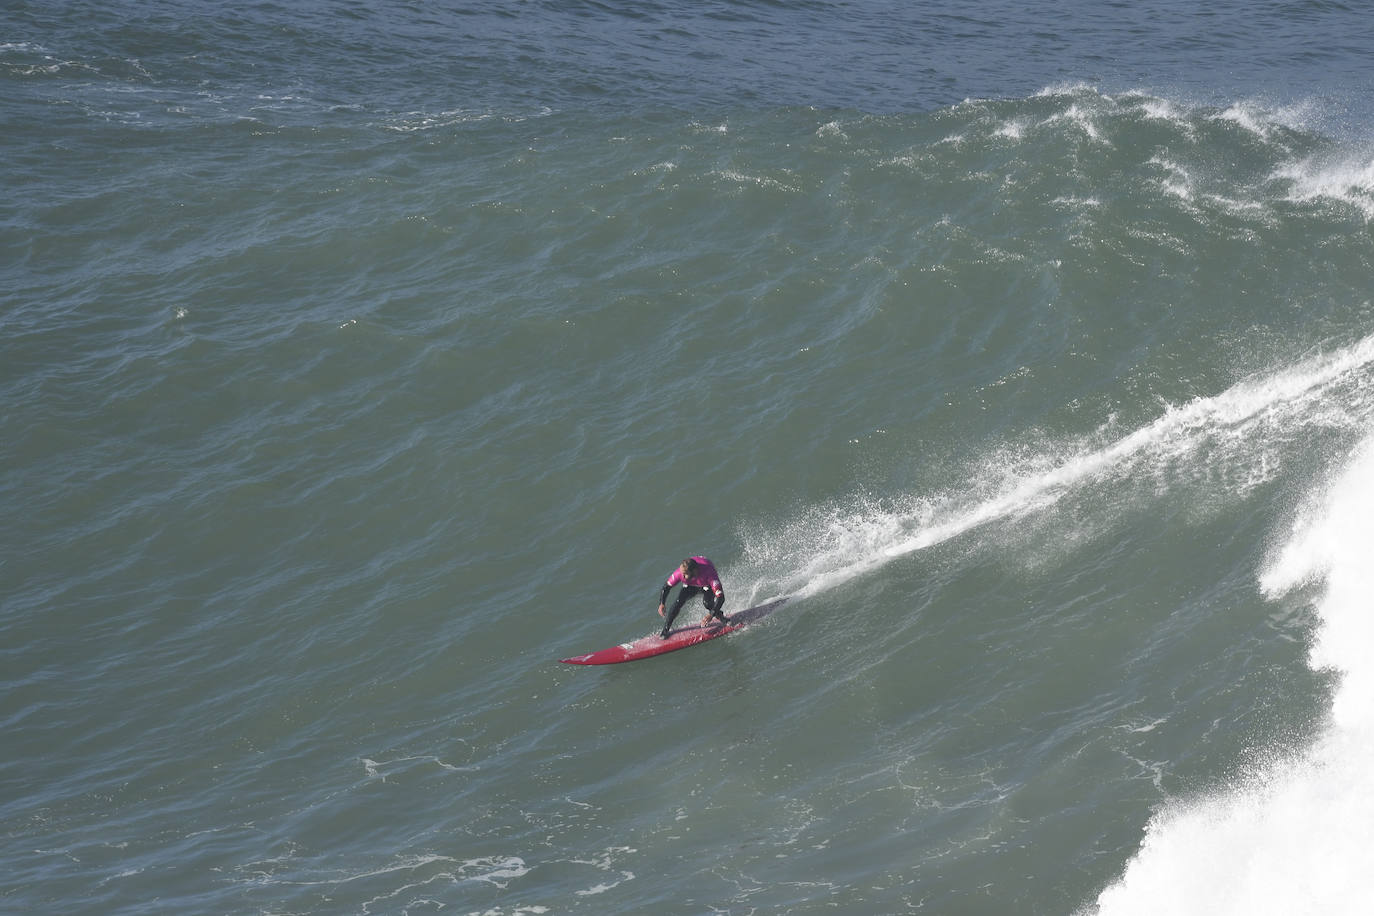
360,361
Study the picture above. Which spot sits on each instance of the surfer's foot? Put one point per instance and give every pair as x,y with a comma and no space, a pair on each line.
663,635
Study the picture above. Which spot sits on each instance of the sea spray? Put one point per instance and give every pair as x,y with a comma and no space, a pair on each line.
1236,440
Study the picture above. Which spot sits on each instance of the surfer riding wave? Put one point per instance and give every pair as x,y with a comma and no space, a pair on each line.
697,576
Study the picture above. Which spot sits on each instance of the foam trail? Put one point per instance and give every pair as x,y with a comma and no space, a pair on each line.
1297,838
1173,436
1244,429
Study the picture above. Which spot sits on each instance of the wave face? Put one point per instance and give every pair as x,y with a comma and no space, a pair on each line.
360,361
1290,834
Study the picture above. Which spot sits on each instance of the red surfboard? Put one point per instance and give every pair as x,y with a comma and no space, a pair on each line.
680,638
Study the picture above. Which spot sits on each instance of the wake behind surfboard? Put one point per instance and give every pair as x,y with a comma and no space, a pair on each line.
650,646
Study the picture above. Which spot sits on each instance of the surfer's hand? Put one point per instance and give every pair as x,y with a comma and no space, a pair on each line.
660,610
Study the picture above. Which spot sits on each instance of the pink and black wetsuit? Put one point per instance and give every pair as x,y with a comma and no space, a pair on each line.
704,582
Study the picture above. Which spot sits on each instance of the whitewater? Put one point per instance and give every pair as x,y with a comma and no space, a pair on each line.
1291,835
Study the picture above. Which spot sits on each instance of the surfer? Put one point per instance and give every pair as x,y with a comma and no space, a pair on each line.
697,576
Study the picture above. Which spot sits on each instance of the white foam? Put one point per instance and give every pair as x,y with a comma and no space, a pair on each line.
1080,117
1263,119
738,177
1334,544
380,769
1180,183
1295,837
413,121
1072,88
605,886
1164,110
832,129
1247,116
1014,129
1348,180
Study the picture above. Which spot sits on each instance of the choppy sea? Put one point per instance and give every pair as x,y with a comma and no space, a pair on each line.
358,361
